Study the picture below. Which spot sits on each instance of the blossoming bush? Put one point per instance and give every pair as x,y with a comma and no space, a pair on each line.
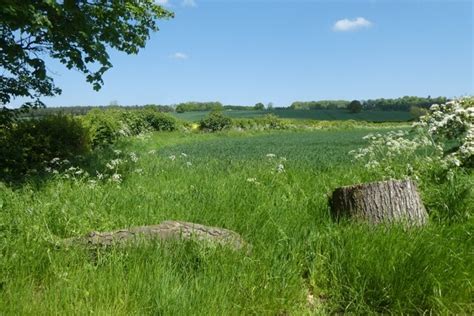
437,151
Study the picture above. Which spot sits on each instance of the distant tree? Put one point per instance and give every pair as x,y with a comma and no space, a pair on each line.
259,106
270,106
355,106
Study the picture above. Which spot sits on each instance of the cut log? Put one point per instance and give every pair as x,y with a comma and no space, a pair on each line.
380,202
168,230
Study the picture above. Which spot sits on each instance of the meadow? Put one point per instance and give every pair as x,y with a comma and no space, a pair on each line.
272,188
321,115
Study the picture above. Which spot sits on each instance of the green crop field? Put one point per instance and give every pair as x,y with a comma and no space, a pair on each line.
270,187
323,115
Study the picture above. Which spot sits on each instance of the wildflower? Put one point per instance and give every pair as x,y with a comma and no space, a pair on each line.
133,157
152,152
100,176
172,157
280,168
189,164
139,171
251,179
117,152
47,169
183,155
79,172
271,155
55,160
116,177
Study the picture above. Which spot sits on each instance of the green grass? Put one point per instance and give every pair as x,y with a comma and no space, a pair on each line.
297,248
322,115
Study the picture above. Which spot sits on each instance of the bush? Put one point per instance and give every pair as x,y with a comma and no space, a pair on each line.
29,144
160,121
132,122
215,121
271,121
102,126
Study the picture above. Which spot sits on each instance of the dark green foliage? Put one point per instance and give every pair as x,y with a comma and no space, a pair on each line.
215,121
106,126
160,121
399,104
77,33
402,104
319,105
103,127
27,145
259,106
417,111
355,106
238,107
198,106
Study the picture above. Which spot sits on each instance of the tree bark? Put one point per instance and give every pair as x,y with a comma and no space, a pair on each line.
380,202
165,231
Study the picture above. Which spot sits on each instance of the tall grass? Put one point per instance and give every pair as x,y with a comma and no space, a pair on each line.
228,180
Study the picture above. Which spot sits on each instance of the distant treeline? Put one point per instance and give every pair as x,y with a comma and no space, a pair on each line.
400,104
83,110
406,103
198,106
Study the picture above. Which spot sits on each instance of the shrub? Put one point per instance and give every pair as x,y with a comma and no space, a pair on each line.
215,121
102,126
29,144
132,122
271,121
160,121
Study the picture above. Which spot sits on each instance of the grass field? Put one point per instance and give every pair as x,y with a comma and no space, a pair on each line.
227,180
323,115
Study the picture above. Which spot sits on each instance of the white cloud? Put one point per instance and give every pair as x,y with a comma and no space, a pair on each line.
345,25
189,3
179,55
162,2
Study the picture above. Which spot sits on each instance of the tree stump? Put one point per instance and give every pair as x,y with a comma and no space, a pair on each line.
380,202
167,230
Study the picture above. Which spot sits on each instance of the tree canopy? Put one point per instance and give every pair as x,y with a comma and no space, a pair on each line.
75,32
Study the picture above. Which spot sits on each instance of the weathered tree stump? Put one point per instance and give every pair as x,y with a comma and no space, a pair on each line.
380,202
168,230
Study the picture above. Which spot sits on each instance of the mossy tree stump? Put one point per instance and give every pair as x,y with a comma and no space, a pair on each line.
380,202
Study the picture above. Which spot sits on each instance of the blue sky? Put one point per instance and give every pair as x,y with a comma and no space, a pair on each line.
244,52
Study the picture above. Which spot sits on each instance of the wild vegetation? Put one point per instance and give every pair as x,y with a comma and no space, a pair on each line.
270,186
261,171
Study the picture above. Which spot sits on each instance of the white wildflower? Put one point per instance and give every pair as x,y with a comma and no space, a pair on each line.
189,164
280,168
133,157
117,152
116,177
184,155
271,155
172,157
